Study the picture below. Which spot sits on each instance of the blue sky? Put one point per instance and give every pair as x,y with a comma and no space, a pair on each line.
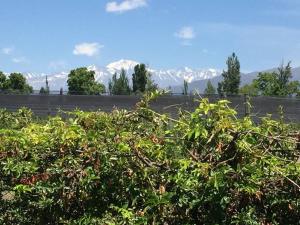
57,35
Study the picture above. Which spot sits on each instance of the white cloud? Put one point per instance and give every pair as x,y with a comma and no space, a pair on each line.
20,60
87,49
125,5
186,33
7,51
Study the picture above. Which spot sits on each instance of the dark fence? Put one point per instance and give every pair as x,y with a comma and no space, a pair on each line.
43,105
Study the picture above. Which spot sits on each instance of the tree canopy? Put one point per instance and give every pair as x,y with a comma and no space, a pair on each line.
119,86
151,85
139,78
2,80
231,77
15,83
81,81
210,89
185,87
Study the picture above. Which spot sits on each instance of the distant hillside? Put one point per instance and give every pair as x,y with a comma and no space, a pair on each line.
200,85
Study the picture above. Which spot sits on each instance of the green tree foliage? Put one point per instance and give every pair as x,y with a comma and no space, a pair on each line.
185,88
141,167
43,91
15,120
266,83
210,89
231,77
119,86
284,75
249,89
293,87
277,83
139,78
2,80
81,81
16,83
151,86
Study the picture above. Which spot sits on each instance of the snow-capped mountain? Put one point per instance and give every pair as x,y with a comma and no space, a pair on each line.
127,65
164,78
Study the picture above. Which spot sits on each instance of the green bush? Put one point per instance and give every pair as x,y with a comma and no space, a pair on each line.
15,120
140,167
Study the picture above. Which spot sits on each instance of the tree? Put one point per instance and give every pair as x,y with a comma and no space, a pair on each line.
185,87
47,85
284,75
111,84
277,83
267,84
210,89
45,90
119,86
2,80
249,89
16,82
293,87
139,78
231,77
151,85
82,81
220,89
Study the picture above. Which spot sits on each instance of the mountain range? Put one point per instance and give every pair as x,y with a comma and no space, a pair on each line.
169,78
164,78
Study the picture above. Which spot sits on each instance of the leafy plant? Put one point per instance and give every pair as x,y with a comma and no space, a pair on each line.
142,167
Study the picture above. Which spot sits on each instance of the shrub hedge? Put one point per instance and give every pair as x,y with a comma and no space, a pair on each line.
141,167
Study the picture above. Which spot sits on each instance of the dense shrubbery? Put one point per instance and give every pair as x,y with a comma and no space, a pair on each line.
140,167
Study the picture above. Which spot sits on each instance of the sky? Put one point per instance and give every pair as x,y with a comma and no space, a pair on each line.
48,36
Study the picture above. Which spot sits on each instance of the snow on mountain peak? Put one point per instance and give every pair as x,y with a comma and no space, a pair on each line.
188,70
92,68
121,64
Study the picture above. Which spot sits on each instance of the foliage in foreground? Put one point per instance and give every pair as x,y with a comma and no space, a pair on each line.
140,167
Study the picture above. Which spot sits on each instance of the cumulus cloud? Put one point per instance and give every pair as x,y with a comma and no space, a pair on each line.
125,5
7,51
186,33
87,49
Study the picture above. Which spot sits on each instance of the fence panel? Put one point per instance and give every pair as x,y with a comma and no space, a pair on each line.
50,104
